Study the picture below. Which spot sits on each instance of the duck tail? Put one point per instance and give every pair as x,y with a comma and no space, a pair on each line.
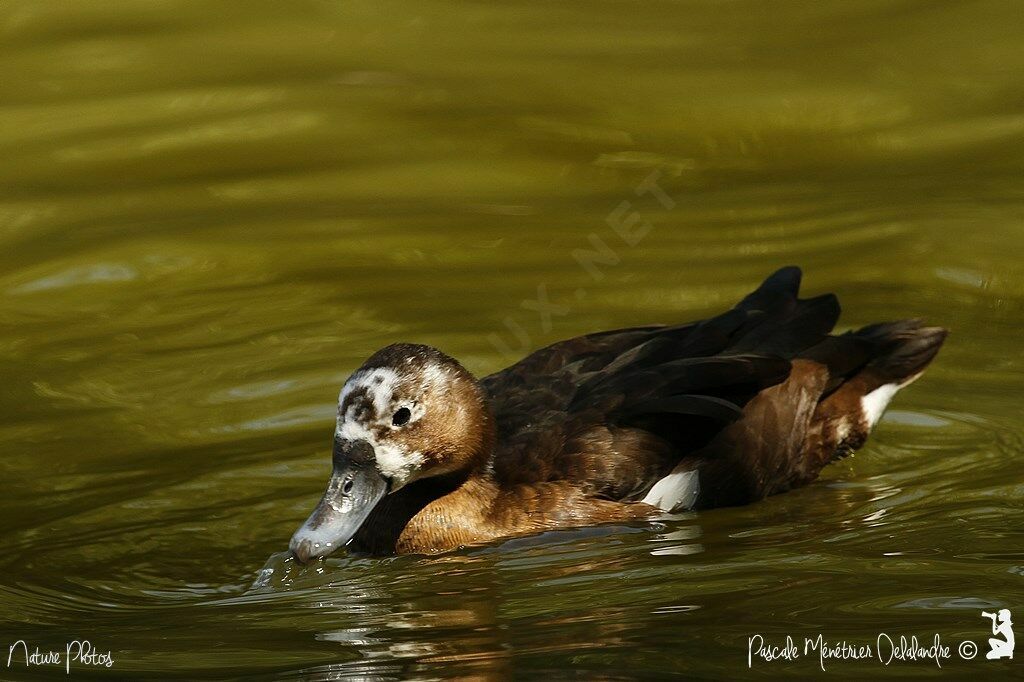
902,350
892,355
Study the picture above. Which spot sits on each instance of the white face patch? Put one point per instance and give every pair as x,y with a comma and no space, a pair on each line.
380,383
397,464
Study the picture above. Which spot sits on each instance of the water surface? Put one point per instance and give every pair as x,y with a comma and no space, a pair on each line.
210,214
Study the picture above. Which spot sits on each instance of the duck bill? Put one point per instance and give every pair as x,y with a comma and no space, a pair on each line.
352,493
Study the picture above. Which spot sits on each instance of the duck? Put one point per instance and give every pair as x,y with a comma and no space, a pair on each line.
619,426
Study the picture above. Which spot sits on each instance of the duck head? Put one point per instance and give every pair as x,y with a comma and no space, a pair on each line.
409,412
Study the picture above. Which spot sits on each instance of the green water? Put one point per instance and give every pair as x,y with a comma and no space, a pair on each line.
210,213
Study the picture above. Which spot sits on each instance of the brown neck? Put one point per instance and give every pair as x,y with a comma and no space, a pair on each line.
381,530
488,440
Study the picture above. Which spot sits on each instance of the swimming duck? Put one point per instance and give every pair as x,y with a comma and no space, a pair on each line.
614,426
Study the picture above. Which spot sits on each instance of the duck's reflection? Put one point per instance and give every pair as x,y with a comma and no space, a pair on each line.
469,613
675,546
395,620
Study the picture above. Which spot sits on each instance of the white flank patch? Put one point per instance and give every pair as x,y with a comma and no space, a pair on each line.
676,492
873,404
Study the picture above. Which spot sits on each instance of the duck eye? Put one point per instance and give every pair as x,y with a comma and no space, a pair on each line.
346,487
401,418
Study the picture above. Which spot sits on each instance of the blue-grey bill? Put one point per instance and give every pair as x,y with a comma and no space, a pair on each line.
352,493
